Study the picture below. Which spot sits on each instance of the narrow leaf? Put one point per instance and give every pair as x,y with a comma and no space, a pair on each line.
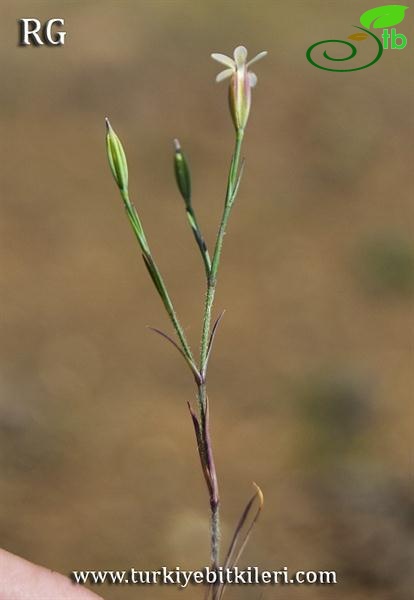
174,343
212,336
236,187
149,263
239,540
231,178
135,223
209,453
246,537
200,447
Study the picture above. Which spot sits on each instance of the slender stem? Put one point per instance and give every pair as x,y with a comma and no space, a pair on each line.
211,266
207,458
192,219
215,534
173,317
201,423
156,275
207,450
211,288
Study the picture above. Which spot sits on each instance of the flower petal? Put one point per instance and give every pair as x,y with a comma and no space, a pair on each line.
257,57
224,74
252,79
223,59
240,55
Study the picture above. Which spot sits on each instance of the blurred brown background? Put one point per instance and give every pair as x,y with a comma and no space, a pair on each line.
311,382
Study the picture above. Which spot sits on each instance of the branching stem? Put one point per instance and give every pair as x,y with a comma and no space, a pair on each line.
201,423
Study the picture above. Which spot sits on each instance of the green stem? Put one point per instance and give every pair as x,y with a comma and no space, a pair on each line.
156,276
215,535
211,288
199,238
206,450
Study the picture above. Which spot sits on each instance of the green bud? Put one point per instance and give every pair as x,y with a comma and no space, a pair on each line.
116,157
182,174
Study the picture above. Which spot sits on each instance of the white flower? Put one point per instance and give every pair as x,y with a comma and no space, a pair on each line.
238,64
242,80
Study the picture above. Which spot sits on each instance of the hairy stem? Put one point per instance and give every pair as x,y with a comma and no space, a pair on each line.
207,460
212,281
205,338
215,534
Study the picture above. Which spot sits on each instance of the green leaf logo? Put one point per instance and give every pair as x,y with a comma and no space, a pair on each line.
383,16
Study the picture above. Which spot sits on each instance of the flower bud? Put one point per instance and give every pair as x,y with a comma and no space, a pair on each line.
116,157
182,174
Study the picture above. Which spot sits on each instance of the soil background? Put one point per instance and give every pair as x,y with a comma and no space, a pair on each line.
311,380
